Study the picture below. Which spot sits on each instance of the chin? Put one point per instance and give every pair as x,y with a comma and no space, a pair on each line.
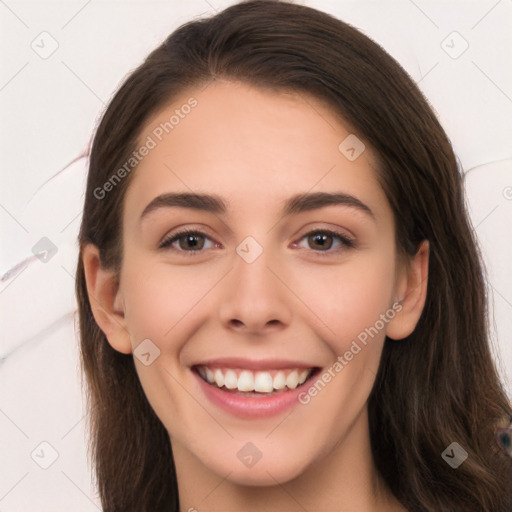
263,473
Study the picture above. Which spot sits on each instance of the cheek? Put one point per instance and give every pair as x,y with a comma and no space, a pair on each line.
161,301
348,299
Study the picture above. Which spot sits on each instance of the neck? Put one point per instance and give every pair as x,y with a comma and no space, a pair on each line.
345,478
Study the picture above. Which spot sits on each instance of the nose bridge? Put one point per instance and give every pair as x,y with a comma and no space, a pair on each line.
254,296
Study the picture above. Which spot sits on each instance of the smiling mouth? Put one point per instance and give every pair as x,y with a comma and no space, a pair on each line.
255,383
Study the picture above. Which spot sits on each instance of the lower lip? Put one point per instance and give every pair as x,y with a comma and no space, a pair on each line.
250,407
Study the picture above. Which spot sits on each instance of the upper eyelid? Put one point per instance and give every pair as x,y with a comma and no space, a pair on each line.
204,231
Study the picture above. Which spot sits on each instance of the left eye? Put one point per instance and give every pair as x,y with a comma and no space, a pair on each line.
324,239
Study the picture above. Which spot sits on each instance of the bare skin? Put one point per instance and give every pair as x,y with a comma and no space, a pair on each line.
296,301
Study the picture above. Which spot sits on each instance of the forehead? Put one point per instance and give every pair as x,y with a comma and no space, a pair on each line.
254,147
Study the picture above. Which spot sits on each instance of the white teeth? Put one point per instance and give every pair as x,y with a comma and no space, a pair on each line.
230,379
209,375
263,382
292,381
303,376
219,377
246,381
279,381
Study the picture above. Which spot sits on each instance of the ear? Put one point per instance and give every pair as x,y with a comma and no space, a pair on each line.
106,300
411,288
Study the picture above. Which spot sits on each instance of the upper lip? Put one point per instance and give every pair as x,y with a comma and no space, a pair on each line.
254,364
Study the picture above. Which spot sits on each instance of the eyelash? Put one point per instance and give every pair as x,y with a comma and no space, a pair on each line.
346,242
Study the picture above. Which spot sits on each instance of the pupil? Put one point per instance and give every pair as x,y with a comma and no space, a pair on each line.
320,239
191,241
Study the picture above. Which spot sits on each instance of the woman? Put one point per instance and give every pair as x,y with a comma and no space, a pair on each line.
281,299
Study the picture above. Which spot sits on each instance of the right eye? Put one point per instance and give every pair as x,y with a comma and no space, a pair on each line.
189,241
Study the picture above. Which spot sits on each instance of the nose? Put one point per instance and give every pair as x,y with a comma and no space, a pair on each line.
255,298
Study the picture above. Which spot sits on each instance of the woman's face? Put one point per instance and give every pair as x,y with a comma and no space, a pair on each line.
255,300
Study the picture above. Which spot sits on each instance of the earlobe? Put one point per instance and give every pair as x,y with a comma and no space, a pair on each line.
106,300
412,289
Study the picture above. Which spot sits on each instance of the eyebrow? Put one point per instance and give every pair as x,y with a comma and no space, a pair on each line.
296,204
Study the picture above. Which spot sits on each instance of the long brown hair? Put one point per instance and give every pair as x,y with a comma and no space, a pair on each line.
439,385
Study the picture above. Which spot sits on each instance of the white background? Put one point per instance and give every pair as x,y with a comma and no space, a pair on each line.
49,108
